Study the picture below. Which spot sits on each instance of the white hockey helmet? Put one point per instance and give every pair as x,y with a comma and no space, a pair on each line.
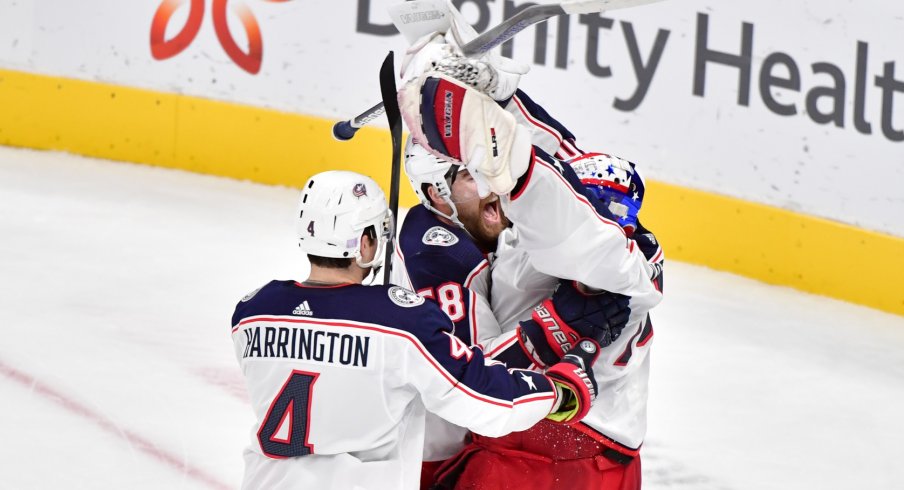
335,208
423,169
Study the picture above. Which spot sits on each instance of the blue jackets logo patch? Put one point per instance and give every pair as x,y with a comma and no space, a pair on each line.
404,297
440,237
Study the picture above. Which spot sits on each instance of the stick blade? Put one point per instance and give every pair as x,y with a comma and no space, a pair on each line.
589,6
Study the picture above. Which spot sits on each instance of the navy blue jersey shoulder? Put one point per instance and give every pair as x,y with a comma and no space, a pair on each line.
540,113
390,306
436,252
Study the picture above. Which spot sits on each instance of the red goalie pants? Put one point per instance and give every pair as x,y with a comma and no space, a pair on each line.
547,456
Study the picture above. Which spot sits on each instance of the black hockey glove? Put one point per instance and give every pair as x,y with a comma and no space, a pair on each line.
558,323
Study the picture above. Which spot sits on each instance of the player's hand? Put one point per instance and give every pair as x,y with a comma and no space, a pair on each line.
423,54
558,323
576,388
500,75
508,70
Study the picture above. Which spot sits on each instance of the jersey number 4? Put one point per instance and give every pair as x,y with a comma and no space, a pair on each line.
284,432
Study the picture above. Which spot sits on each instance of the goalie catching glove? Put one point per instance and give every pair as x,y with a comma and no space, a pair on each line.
454,120
558,323
573,380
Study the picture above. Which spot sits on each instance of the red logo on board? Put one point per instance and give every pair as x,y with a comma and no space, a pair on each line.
162,48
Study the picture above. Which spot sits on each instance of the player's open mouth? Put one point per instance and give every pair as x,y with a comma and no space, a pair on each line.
491,212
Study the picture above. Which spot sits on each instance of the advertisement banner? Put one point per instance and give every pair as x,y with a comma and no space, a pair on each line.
798,105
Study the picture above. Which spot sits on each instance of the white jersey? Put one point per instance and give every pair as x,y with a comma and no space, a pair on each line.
340,380
560,233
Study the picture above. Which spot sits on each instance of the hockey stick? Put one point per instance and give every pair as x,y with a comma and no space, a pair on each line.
345,130
394,117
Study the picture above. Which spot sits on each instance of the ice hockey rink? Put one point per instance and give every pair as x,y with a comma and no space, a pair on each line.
117,372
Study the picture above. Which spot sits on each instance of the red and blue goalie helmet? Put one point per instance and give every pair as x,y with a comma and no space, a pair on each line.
616,182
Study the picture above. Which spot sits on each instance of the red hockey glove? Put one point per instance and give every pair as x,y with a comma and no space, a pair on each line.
575,386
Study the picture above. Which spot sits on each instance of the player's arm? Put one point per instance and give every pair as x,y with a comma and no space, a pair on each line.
557,221
453,285
459,385
526,345
547,133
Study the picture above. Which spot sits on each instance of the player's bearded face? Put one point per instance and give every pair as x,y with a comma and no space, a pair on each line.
483,218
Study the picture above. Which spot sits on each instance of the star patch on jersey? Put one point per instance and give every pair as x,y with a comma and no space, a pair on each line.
404,297
440,236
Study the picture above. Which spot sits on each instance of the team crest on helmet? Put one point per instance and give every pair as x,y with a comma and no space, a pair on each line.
440,236
404,297
359,190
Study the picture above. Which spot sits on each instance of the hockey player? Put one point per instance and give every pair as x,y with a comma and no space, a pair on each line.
341,374
560,230
494,306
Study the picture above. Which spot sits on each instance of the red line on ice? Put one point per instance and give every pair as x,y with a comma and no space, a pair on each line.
135,440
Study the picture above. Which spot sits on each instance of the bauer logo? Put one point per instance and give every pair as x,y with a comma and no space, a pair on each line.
249,60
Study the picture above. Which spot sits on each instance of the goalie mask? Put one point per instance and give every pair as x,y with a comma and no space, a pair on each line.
615,182
335,209
423,170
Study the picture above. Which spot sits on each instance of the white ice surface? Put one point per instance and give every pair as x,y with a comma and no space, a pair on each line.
117,283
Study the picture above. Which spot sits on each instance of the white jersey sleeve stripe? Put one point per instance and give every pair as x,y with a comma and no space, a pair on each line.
536,122
473,314
657,257
513,338
473,274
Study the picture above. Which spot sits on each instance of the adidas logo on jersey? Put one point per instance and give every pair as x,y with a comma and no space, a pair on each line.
303,309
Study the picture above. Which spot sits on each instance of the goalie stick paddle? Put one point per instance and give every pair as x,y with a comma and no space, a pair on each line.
394,118
345,130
